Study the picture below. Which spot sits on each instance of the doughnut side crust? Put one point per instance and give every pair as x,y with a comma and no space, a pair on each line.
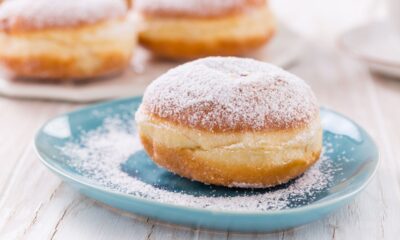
74,53
242,159
188,38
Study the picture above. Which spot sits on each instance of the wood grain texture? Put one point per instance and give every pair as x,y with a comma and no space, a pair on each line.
34,204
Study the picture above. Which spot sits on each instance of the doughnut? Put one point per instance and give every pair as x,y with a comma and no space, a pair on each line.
231,121
199,28
129,3
74,39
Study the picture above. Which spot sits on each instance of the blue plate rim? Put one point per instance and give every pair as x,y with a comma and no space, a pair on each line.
83,181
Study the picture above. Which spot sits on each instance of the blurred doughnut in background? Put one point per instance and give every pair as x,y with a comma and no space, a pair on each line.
45,39
197,28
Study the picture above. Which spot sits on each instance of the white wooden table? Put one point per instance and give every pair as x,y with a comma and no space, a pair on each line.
35,204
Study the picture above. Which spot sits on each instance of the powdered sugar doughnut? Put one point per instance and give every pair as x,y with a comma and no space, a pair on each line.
65,39
232,122
195,28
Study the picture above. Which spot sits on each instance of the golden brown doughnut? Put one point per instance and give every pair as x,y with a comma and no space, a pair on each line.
198,28
129,3
232,122
74,39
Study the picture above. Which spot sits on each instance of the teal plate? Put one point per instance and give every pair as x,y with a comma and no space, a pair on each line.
96,151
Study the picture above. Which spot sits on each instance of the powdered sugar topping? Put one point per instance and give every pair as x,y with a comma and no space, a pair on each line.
103,154
58,13
194,7
228,94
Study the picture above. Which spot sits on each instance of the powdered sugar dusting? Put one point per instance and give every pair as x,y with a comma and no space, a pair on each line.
227,93
101,154
198,7
59,13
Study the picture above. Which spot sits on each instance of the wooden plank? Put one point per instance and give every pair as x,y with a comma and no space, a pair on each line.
19,120
21,196
99,221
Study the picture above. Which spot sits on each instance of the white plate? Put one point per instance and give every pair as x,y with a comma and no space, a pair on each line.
282,51
377,44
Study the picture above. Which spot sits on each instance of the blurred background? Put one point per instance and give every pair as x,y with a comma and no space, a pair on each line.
324,21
